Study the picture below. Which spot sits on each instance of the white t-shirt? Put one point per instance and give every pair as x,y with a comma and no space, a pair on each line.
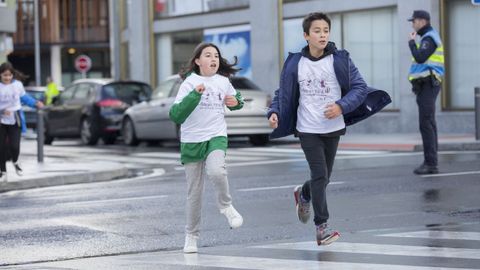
318,88
208,118
10,101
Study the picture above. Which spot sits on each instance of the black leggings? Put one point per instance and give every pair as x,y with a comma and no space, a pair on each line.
9,144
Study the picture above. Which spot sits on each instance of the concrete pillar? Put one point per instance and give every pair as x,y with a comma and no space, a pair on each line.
139,40
265,44
56,64
114,18
164,56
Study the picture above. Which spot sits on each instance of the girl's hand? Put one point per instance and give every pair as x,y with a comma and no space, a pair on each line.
200,88
332,111
7,113
39,104
231,101
273,120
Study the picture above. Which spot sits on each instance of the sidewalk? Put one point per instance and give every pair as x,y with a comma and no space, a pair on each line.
58,171
407,142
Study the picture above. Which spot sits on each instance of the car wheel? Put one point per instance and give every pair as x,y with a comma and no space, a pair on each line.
109,139
128,133
87,132
259,139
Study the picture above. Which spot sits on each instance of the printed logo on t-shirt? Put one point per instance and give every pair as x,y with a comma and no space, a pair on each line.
212,100
315,88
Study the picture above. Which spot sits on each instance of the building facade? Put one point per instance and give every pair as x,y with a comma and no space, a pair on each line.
158,36
68,28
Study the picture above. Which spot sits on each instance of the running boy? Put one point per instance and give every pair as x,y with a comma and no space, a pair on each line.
200,109
320,93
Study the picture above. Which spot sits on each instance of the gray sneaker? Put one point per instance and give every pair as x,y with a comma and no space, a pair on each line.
325,235
302,206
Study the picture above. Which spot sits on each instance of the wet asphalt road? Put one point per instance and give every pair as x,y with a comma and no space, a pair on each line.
141,219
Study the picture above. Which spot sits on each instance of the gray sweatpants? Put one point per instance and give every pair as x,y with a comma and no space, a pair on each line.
214,168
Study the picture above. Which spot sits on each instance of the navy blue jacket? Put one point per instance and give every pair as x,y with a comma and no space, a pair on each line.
358,100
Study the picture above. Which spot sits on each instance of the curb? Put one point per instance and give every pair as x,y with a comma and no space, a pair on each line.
66,179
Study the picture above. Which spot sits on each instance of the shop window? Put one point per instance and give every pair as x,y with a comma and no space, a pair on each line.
371,37
463,54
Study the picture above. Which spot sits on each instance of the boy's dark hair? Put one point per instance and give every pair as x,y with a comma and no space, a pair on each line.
307,21
17,75
224,68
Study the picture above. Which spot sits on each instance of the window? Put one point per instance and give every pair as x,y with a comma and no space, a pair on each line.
164,89
463,54
83,91
371,38
67,94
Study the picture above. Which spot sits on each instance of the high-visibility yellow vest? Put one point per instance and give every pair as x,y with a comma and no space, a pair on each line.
435,64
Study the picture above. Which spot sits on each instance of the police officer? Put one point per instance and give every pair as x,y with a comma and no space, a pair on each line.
426,74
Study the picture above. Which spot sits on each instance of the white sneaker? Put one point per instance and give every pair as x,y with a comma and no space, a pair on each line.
190,244
18,169
234,218
3,177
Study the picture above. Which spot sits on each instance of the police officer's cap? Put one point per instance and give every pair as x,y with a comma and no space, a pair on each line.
420,14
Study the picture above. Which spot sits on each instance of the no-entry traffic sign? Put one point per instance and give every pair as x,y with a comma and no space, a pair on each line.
83,63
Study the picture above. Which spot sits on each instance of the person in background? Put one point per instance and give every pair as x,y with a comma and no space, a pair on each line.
51,92
426,74
11,94
200,110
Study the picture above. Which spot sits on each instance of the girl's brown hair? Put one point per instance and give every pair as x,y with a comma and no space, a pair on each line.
225,69
17,75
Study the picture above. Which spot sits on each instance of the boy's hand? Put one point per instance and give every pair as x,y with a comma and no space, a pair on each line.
230,101
273,120
200,88
332,110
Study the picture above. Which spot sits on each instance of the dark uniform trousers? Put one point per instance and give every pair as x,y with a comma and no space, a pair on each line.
427,90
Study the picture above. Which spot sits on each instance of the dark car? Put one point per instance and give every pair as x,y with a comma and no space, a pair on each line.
92,109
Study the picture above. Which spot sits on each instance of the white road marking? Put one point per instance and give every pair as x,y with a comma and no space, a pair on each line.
278,187
383,249
238,262
450,174
116,200
438,235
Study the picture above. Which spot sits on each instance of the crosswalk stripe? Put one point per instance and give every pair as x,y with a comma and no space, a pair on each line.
279,187
383,249
438,235
237,262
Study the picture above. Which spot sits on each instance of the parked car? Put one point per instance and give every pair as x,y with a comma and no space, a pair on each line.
149,120
92,109
37,92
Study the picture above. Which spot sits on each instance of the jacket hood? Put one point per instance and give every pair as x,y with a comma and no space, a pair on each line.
329,49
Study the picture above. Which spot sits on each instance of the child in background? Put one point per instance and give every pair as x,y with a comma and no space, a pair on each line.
200,110
11,95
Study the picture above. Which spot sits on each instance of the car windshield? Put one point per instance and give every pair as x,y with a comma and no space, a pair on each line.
129,93
243,83
38,95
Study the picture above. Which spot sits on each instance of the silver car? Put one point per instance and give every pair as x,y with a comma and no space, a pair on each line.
149,120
